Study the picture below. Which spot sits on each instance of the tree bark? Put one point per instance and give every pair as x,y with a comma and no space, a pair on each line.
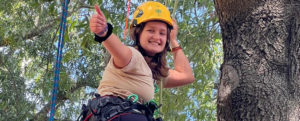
260,76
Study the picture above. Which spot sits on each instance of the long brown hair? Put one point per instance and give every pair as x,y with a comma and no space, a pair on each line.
158,62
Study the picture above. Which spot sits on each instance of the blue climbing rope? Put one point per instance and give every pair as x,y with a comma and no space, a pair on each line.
59,57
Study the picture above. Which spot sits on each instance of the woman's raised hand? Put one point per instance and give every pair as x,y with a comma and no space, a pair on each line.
174,31
98,24
173,34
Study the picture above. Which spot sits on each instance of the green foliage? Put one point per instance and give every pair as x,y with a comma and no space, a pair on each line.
28,42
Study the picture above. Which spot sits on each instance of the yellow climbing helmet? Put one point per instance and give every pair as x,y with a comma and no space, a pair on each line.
151,10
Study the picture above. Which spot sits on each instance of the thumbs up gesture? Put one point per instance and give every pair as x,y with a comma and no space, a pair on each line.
98,24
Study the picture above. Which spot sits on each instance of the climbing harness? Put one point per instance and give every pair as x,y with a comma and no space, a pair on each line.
108,107
59,57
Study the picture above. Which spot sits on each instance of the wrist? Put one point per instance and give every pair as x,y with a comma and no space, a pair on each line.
173,45
174,49
105,34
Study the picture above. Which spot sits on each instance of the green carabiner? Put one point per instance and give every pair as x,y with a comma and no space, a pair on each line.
156,88
135,99
155,102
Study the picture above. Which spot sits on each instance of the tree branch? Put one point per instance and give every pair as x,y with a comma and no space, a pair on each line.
51,23
10,73
39,31
61,97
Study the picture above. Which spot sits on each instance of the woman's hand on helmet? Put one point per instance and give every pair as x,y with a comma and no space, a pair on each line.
98,24
173,35
174,31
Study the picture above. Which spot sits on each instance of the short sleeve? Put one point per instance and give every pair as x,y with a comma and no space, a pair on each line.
136,66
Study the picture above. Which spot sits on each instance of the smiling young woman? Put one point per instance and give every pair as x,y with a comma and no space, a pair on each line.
134,70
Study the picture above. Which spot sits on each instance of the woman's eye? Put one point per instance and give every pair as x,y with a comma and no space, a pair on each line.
162,33
150,30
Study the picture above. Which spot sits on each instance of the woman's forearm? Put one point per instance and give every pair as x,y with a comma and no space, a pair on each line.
120,52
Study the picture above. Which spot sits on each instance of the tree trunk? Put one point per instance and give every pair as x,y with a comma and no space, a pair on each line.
260,76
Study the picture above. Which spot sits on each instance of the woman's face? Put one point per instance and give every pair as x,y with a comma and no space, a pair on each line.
153,37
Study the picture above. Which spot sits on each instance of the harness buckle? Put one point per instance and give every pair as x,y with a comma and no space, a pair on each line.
125,105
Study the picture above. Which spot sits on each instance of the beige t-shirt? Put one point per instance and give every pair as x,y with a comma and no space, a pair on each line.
134,78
